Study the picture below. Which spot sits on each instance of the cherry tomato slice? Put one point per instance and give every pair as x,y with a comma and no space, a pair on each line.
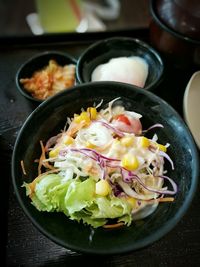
123,119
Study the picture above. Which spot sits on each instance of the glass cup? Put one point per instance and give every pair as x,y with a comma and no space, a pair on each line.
60,15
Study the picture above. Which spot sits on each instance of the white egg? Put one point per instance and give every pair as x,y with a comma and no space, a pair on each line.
132,70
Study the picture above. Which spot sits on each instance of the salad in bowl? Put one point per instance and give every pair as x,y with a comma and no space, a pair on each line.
102,169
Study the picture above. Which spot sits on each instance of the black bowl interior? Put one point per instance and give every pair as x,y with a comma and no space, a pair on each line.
101,52
155,16
50,117
38,62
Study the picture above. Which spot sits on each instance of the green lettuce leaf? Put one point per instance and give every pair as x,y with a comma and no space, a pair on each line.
77,199
110,207
86,219
43,190
42,197
80,195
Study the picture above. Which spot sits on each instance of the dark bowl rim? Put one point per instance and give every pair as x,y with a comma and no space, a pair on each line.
122,38
155,236
157,19
35,57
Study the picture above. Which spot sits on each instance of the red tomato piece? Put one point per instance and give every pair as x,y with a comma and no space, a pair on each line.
123,119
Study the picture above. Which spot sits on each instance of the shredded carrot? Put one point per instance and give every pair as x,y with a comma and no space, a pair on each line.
42,158
166,199
161,199
74,128
112,226
23,168
47,165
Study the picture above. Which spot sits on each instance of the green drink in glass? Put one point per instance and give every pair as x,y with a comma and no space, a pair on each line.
59,15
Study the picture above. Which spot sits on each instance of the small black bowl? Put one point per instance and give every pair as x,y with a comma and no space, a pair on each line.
102,51
50,117
38,62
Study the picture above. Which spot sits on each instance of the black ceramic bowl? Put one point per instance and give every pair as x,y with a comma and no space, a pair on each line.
38,62
50,117
175,32
102,51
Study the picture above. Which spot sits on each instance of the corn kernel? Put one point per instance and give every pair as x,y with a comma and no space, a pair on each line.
144,142
89,145
130,162
77,119
161,147
84,116
92,112
54,152
102,188
132,201
127,141
68,140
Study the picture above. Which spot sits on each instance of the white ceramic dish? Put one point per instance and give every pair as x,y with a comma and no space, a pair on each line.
191,106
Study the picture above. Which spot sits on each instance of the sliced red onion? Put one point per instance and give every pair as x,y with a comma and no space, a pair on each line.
85,150
117,190
102,166
174,185
98,154
87,154
164,155
64,151
52,141
130,192
99,158
119,133
157,125
128,176
168,192
112,164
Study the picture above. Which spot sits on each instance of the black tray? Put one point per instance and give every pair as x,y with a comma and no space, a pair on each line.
22,243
